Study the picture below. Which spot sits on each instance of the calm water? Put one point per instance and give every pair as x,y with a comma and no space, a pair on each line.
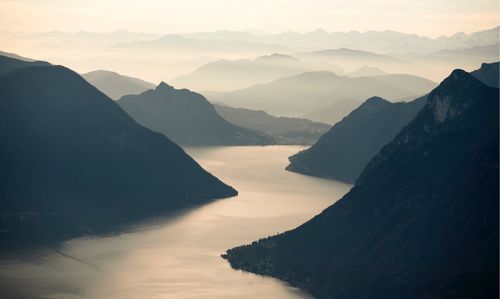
179,256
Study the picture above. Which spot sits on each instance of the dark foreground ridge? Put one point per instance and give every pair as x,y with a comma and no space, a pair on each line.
343,152
74,162
421,221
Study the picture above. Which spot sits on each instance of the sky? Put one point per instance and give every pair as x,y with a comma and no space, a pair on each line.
424,17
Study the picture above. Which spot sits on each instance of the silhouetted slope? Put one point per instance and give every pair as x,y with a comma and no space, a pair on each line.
115,85
15,56
72,158
187,118
285,130
344,151
422,220
488,74
8,64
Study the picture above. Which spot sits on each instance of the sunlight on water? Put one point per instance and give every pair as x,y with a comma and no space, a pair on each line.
179,256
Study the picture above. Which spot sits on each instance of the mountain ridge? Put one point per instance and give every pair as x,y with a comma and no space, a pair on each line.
421,221
187,118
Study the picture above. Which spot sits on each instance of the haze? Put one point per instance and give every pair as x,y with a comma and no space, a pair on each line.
430,18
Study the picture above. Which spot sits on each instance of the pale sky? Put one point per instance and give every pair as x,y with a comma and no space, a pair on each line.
425,17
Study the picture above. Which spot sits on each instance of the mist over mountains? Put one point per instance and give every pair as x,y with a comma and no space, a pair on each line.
229,75
363,177
115,85
156,57
310,91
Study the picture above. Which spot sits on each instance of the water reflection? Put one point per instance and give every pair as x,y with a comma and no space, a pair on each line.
179,256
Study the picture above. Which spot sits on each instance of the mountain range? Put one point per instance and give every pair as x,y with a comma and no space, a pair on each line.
285,130
343,152
73,162
187,118
115,85
308,92
376,41
421,220
228,75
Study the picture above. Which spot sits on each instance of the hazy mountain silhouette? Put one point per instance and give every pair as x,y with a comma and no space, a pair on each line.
308,92
375,41
8,64
178,42
74,162
343,152
413,84
440,62
228,75
488,74
187,118
333,113
473,55
422,219
355,59
115,85
285,130
15,56
366,71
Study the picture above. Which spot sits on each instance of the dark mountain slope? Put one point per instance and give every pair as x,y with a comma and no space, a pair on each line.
8,64
187,118
488,74
344,151
421,221
71,157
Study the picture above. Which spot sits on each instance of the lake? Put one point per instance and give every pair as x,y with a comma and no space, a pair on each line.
178,256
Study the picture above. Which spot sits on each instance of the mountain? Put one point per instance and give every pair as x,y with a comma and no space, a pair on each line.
228,75
412,84
343,152
477,54
115,85
310,91
187,118
333,113
356,59
373,41
186,44
73,162
421,221
439,63
488,74
15,56
367,71
285,130
8,64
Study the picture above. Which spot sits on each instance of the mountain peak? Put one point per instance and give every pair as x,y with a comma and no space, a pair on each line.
446,100
164,86
376,100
